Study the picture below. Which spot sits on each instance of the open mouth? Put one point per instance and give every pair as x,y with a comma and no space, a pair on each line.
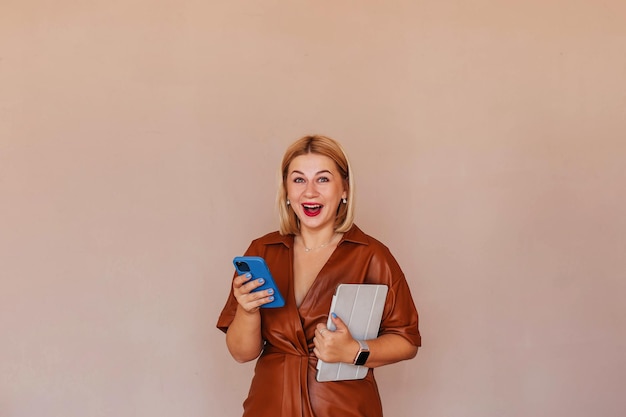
312,210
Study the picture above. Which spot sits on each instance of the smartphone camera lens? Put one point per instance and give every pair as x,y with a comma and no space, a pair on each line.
243,267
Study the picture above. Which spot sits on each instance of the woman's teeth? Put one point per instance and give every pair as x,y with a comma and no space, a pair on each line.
312,209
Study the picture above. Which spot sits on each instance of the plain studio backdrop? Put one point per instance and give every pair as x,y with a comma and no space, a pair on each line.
139,148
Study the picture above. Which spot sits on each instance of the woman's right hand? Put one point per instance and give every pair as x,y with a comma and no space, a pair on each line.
248,300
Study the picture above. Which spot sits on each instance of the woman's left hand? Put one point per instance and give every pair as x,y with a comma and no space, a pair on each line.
335,346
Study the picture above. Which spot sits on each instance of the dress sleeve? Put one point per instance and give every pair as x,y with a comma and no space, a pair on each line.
400,315
228,312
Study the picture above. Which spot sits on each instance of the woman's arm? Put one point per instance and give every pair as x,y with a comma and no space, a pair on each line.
340,346
243,337
386,349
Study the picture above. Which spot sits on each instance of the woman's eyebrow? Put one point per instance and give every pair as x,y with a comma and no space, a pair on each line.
324,171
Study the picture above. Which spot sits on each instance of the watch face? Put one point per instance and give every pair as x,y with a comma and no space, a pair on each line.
362,358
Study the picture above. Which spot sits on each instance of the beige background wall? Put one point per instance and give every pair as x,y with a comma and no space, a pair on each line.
139,142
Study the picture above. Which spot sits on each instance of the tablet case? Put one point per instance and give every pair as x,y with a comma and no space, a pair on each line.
360,306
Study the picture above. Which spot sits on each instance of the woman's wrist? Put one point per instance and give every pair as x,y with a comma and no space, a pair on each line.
363,354
249,316
353,351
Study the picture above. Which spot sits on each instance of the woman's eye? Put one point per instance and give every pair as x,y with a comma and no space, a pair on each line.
322,179
298,180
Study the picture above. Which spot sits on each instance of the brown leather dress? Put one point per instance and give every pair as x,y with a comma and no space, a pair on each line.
284,383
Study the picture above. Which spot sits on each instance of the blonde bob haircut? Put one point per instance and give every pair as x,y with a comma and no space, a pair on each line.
320,145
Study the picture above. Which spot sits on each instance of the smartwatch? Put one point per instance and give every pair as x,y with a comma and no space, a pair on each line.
363,354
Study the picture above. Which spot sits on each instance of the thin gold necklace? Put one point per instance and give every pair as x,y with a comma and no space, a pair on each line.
320,246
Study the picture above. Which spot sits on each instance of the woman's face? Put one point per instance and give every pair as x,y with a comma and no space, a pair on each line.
315,189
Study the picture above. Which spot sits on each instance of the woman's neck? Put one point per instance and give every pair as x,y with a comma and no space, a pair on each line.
317,239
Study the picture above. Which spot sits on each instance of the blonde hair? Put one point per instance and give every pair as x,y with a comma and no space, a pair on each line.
320,145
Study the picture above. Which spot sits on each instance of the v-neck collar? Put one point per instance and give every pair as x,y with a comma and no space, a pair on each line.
354,235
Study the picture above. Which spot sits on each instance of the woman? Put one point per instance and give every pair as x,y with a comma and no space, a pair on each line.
316,248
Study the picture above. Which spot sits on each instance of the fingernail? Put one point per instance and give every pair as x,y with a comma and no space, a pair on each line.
271,298
248,275
334,315
270,291
261,280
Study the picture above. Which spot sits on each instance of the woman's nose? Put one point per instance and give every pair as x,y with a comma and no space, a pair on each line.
311,189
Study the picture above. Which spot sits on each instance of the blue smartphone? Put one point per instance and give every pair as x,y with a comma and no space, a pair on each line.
256,266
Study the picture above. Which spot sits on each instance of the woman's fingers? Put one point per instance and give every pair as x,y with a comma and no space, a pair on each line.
332,345
240,280
250,300
244,284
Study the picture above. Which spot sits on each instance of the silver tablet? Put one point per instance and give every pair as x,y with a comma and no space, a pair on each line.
361,307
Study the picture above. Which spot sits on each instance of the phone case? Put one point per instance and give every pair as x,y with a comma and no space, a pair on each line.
258,268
